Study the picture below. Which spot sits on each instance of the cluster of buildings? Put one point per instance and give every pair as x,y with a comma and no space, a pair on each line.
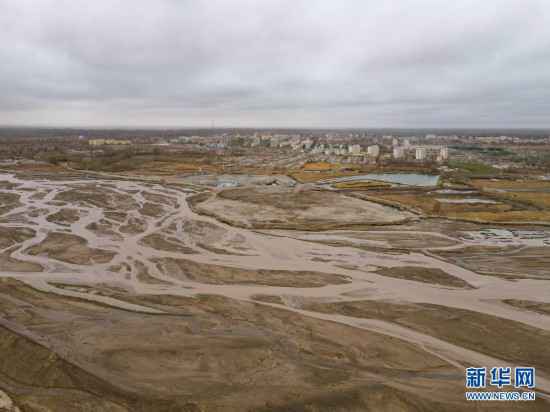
337,149
474,139
424,153
217,143
372,153
105,142
279,141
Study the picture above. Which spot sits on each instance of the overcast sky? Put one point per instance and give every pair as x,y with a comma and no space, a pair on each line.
314,63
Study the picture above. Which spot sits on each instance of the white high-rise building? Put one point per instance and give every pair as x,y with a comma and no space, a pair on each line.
373,150
420,153
354,149
398,152
443,154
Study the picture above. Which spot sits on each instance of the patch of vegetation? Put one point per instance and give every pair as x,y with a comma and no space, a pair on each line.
56,158
358,185
490,151
475,168
145,160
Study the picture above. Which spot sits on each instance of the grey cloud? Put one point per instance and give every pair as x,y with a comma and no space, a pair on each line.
275,63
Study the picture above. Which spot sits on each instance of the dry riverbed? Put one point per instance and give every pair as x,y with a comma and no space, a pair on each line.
116,295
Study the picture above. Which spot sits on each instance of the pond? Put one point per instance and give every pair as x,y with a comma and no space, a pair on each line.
408,179
468,201
533,238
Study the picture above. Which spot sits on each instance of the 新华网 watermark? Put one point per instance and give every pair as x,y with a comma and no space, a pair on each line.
520,378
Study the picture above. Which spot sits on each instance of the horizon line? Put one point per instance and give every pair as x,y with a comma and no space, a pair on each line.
224,127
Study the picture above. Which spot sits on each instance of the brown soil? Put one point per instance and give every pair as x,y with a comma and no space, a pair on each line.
222,355
167,243
116,216
386,241
8,202
144,276
160,199
203,231
71,249
215,274
268,298
425,275
152,210
542,308
284,208
508,261
504,339
7,185
104,228
64,217
133,226
11,264
409,240
98,196
10,236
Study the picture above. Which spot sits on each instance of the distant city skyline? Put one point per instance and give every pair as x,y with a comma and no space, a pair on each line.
289,64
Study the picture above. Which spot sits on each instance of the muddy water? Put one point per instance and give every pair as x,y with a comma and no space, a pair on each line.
408,179
257,250
505,237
